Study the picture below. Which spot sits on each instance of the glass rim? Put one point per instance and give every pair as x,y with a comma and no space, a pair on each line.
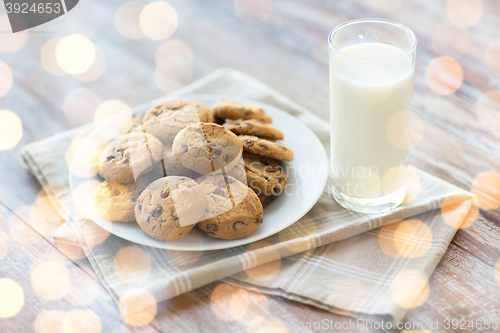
411,49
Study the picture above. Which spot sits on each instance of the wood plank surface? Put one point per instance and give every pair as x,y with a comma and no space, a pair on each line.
287,51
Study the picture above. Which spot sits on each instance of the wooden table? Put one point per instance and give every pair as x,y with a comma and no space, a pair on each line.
285,47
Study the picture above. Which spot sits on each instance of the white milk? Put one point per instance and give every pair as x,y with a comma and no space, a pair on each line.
371,102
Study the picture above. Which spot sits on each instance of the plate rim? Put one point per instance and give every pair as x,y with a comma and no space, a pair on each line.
242,241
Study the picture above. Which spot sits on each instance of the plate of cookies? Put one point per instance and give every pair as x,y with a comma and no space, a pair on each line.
198,173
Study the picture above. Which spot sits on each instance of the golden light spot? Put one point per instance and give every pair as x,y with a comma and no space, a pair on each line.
5,78
132,265
72,250
417,130
43,216
110,108
300,236
49,322
269,325
11,129
97,68
75,54
158,20
394,178
256,266
86,162
19,230
127,20
81,321
488,109
444,75
253,11
173,72
93,233
413,186
138,307
78,103
10,42
450,39
465,12
497,271
491,56
11,298
152,327
459,213
410,289
221,302
486,187
4,245
48,56
385,6
406,238
347,293
77,295
50,279
249,307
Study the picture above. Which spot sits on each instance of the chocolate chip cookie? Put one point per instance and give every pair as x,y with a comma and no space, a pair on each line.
129,123
254,127
167,119
264,175
205,148
233,110
255,145
129,156
116,202
170,207
233,209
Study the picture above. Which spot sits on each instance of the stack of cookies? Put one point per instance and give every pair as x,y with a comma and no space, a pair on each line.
175,168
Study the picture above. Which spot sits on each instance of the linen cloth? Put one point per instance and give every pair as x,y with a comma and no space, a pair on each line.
335,259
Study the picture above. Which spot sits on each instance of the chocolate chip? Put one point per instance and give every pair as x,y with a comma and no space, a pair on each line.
249,113
282,147
277,190
266,178
238,225
184,148
194,152
157,211
119,150
148,219
227,159
217,152
237,123
110,157
249,126
212,227
175,109
218,191
280,180
249,143
125,161
263,147
159,112
259,218
134,198
140,207
165,193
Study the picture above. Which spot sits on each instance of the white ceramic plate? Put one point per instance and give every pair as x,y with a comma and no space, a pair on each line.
307,176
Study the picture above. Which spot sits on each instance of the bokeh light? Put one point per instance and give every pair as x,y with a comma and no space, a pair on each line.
77,295
410,289
269,325
486,187
254,265
340,288
132,265
491,56
385,6
50,279
488,109
394,178
417,130
222,300
80,104
413,186
444,75
449,39
48,56
97,68
253,11
127,20
406,238
43,216
5,78
137,307
11,129
248,307
81,321
457,213
300,236
49,322
465,12
497,272
107,109
11,298
75,54
158,20
10,42
173,72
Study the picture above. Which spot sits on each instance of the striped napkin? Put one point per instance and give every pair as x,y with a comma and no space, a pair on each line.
368,266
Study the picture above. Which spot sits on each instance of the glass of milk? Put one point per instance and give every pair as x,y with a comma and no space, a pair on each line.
372,62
